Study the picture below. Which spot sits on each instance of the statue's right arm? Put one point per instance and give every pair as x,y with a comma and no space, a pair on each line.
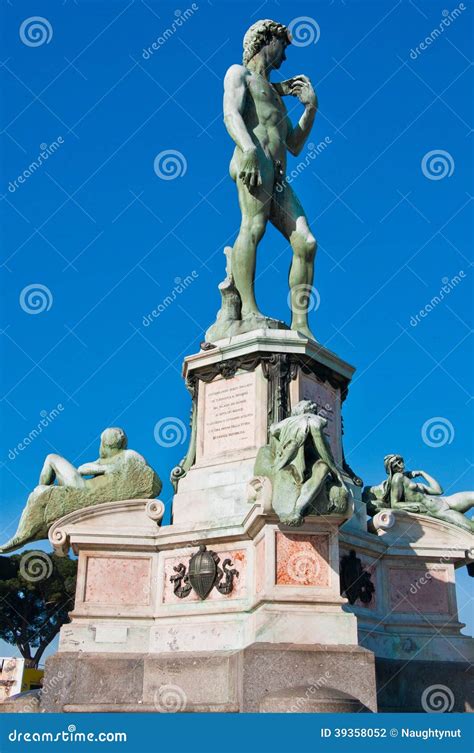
432,487
235,93
91,469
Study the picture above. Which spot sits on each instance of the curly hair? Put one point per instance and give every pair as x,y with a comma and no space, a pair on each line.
260,34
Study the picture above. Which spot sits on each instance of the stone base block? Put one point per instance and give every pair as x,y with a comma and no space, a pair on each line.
429,686
261,677
321,701
306,671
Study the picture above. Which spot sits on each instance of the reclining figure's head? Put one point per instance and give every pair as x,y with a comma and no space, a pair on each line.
112,441
304,406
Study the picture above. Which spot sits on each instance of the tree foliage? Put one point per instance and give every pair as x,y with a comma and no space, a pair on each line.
36,594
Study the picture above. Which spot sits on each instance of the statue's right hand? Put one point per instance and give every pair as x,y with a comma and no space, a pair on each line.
250,169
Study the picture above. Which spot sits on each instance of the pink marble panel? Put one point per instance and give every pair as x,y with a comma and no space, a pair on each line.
118,580
238,557
419,590
302,559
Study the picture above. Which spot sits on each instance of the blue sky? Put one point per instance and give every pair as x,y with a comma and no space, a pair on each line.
389,200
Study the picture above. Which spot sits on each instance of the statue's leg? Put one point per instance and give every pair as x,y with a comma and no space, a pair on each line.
312,487
255,209
57,467
461,501
31,521
457,518
289,218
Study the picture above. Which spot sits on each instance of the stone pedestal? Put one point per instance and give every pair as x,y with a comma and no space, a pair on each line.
411,624
259,678
239,388
271,617
286,589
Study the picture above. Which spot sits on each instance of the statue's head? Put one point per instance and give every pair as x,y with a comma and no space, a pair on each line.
393,464
112,441
304,406
267,34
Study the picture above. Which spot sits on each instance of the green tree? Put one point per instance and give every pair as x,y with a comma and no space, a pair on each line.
36,594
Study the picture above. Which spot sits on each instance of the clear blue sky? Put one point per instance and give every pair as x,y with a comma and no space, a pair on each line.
107,237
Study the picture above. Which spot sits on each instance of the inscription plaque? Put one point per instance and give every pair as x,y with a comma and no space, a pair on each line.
329,404
229,423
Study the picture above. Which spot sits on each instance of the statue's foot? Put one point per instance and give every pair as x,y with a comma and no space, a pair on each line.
14,543
292,520
304,330
250,316
252,320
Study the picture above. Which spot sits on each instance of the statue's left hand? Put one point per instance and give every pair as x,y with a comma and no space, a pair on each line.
301,87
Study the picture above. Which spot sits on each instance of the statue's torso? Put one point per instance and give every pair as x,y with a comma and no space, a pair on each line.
265,117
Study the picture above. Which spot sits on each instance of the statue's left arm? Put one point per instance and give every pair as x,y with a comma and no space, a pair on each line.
300,87
323,448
